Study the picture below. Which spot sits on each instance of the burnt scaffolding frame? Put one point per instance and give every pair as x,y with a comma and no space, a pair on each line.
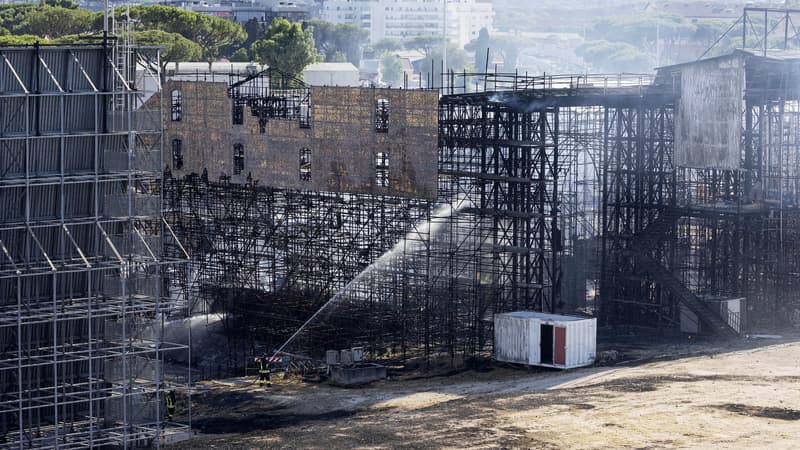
542,182
506,161
728,233
81,236
750,247
771,161
440,269
638,184
289,250
507,184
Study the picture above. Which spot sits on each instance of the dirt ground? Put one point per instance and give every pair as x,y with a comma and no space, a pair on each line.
744,394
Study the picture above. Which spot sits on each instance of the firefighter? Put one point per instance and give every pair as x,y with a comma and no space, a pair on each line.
263,372
170,401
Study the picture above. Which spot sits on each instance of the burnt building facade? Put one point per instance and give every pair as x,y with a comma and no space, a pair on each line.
402,220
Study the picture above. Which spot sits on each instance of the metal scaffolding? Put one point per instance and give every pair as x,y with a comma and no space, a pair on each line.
409,276
82,303
555,193
569,194
677,235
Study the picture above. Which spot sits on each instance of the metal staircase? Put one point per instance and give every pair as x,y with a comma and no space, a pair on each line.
709,317
647,240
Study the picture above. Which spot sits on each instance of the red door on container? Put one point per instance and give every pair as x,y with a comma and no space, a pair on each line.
560,354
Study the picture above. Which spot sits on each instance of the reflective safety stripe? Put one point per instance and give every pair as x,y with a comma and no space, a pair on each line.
169,402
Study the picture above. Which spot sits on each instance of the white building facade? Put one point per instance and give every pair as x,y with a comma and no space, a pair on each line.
465,18
405,19
331,74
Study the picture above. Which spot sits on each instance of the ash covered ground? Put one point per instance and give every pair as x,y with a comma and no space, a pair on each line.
742,394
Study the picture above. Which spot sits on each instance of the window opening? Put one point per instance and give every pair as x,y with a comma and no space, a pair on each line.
262,124
177,154
382,115
177,106
305,164
382,169
238,111
238,159
305,116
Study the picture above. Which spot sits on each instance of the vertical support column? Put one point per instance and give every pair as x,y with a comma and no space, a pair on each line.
605,281
555,234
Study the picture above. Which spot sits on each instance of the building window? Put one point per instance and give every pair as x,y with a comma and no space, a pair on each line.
177,106
305,116
238,159
382,116
382,169
238,112
305,164
177,154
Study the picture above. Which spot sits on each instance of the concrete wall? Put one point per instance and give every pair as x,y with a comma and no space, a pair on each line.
342,139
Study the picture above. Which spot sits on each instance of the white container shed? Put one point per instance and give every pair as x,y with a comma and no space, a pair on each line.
541,339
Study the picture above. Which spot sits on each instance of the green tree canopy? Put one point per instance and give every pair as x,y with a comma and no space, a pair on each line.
20,39
182,32
605,56
391,69
425,44
178,48
663,34
63,17
93,38
503,47
255,30
12,16
709,31
209,32
639,28
286,47
216,33
387,45
53,22
68,4
332,38
240,55
338,57
457,61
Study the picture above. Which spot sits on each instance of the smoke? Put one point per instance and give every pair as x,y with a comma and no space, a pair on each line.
206,334
519,101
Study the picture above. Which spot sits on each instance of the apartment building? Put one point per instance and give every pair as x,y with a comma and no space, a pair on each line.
405,19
